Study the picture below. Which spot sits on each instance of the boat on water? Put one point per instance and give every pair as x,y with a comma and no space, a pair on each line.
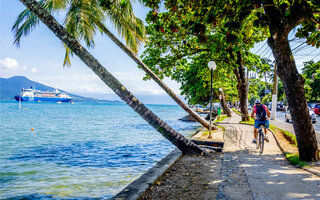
42,96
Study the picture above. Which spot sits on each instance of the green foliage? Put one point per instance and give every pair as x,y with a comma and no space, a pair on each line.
183,38
311,73
266,98
294,160
257,90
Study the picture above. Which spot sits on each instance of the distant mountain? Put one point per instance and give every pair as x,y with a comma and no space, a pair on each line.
9,87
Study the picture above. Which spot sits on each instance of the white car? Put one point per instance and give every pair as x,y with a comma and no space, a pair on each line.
313,116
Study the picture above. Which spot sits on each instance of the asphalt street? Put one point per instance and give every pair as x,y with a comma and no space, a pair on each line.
280,116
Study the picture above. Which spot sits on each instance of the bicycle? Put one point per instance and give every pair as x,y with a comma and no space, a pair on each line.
261,137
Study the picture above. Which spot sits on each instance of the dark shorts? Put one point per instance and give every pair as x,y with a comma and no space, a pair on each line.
258,123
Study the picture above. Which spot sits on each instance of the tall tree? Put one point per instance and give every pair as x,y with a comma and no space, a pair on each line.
182,32
185,145
85,16
280,18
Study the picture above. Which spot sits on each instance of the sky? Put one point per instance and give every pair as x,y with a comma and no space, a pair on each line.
41,53
40,58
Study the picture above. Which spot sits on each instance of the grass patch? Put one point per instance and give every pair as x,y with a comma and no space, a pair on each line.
236,111
289,136
206,133
221,118
248,122
294,160
221,127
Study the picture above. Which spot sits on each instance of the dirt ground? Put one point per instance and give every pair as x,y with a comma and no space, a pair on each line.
285,143
191,177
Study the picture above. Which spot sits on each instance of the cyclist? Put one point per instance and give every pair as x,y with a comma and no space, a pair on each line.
262,113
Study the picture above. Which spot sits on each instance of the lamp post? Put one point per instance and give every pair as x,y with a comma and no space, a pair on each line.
212,66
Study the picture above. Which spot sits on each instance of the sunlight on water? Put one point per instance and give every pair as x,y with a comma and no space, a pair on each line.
78,151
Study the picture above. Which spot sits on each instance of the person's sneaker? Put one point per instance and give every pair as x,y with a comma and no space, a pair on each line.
254,141
266,138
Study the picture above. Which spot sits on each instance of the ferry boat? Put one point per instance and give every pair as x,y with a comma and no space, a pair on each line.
42,96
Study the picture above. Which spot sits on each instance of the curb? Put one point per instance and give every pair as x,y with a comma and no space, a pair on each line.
312,171
135,189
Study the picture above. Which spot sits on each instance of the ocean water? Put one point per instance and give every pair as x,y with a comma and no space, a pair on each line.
78,151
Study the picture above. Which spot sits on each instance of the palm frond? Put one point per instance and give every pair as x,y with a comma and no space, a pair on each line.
27,21
24,24
66,61
81,19
126,24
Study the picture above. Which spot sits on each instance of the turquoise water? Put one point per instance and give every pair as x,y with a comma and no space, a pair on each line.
78,151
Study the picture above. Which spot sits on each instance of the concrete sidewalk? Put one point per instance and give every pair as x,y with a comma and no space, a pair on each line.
268,176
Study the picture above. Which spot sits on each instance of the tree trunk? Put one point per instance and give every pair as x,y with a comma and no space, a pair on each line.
266,81
152,75
242,88
184,144
293,84
224,105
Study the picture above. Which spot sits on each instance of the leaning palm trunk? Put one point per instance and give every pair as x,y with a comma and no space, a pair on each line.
154,77
184,144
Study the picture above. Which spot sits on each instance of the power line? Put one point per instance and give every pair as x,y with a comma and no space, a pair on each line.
270,54
261,47
267,52
264,51
298,46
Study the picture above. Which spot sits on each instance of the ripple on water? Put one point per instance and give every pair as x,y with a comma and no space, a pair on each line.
78,151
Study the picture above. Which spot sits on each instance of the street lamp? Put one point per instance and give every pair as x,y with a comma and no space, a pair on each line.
212,66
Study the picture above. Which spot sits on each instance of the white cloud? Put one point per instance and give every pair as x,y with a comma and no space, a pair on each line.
148,90
9,64
123,76
34,70
88,89
24,67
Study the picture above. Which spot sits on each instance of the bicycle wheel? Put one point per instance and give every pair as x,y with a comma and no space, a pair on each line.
258,138
261,141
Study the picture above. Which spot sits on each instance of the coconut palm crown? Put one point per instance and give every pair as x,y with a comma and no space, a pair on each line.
84,17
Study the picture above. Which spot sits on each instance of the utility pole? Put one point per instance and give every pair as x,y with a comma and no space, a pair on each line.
247,87
274,93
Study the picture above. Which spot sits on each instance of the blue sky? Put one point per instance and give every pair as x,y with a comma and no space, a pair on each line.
41,54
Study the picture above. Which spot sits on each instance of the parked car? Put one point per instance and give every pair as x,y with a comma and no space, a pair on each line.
316,108
311,113
280,107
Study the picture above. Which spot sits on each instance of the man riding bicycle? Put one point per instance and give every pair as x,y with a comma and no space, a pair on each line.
262,113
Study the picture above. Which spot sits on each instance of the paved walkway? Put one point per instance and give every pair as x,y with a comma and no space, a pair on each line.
266,176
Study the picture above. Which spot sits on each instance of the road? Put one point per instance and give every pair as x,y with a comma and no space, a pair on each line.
280,116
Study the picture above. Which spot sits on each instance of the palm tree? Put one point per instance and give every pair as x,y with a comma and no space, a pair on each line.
184,144
84,17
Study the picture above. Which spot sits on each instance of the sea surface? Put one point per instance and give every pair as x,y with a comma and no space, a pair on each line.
78,151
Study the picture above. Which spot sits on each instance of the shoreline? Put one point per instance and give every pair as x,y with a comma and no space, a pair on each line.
140,186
